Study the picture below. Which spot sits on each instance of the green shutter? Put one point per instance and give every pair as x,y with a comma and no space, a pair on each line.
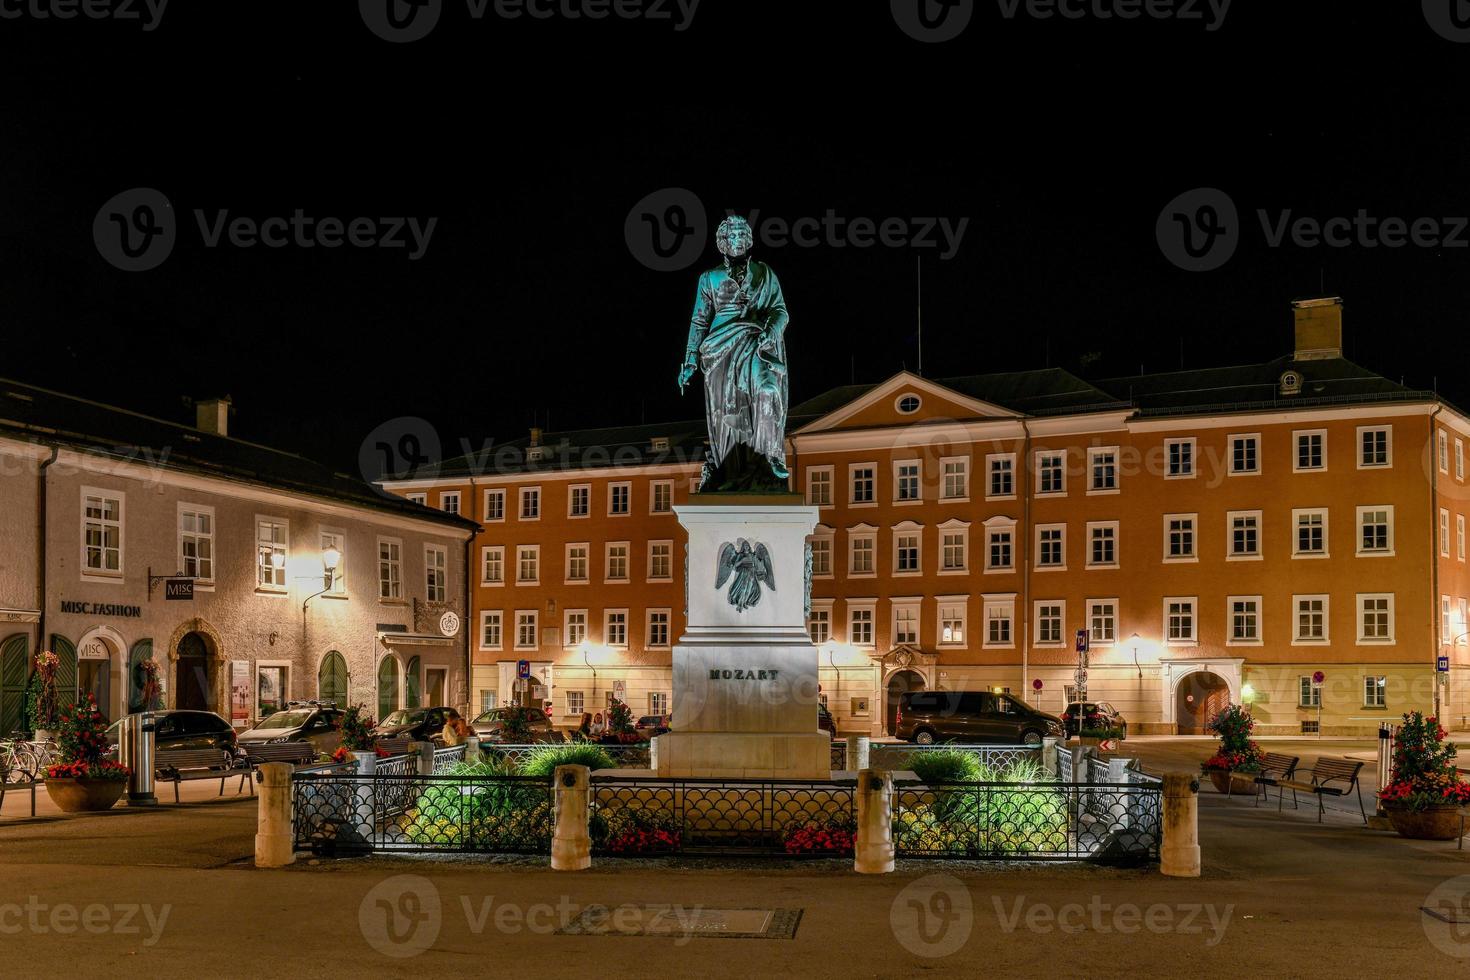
331,679
415,684
387,687
66,673
141,651
15,668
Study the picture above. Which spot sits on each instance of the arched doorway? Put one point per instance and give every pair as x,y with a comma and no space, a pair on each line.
900,682
331,679
1199,697
191,674
387,686
142,652
96,655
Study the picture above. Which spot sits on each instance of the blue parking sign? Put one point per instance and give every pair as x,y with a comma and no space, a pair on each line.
523,669
1442,664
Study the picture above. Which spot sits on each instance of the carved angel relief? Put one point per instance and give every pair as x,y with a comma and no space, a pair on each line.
750,566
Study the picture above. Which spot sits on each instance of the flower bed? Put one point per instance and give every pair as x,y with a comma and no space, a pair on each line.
1424,792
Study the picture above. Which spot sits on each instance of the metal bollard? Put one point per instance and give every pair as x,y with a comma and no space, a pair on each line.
275,841
571,844
873,849
1385,760
135,750
1179,854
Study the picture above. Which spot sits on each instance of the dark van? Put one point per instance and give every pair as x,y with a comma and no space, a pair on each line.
926,717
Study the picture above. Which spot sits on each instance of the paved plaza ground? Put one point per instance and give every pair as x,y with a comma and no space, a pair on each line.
172,892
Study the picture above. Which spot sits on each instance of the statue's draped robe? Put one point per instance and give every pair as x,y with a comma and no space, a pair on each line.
739,335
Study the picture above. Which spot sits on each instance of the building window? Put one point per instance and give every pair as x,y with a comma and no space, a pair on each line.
270,553
1179,537
1375,618
526,638
860,627
390,569
196,542
495,505
1311,450
1102,620
905,624
1375,692
1103,545
1311,619
821,557
660,561
1049,619
951,623
619,499
1446,626
102,533
1051,546
1245,534
436,573
661,497
1102,465
615,627
576,702
954,550
1460,460
998,617
1444,452
1245,619
1460,534
998,549
449,501
528,564
1001,476
1444,533
956,482
1375,530
658,627
530,503
579,500
1051,472
490,638
861,548
819,486
1179,621
492,565
906,488
658,702
617,561
576,627
862,483
819,626
1245,455
1309,694
1375,447
422,499
271,689
1178,459
906,553
1311,533
577,562
338,541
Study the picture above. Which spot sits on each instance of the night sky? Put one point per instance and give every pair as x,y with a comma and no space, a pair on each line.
530,141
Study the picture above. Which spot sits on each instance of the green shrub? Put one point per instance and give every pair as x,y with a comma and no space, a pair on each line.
947,765
494,815
543,760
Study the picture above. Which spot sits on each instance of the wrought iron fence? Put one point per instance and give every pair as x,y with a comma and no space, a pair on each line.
1111,822
447,758
336,813
890,756
634,756
839,754
637,818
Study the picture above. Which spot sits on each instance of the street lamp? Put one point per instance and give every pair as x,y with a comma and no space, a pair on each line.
1133,642
331,558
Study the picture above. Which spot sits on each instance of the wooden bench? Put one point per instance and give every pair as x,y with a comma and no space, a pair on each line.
188,764
296,753
1324,774
1274,768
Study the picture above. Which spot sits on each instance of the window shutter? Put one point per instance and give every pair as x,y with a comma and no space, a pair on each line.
66,673
15,668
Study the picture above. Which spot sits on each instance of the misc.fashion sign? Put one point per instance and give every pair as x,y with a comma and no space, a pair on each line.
100,609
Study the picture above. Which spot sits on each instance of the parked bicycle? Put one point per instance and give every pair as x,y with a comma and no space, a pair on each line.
23,760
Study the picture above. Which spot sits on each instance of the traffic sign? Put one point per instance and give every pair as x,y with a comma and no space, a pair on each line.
1082,641
523,669
1442,664
1036,684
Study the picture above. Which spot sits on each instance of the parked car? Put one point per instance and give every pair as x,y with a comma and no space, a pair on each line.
488,723
175,730
651,725
418,724
1094,716
302,721
926,717
825,722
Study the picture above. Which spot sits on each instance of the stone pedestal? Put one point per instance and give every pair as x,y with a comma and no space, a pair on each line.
745,673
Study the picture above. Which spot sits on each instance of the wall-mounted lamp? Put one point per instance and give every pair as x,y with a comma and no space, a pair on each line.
331,558
1133,642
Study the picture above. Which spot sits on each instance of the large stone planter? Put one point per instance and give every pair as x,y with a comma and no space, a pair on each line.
84,795
1431,823
1232,783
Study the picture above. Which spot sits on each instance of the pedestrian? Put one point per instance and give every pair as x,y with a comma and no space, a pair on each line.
456,729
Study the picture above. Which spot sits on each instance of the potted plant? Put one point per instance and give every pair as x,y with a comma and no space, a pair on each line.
83,780
1424,793
620,727
357,735
45,703
1234,765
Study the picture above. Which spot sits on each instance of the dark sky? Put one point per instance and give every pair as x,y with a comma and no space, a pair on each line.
531,140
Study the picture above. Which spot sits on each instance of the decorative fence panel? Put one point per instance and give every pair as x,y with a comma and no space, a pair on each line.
447,758
635,756
716,816
899,757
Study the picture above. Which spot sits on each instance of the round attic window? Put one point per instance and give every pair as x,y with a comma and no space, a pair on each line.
1291,383
908,404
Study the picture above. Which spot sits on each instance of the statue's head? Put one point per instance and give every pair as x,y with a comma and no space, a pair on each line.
733,237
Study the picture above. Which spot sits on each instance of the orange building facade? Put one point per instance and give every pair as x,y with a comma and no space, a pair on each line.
1221,535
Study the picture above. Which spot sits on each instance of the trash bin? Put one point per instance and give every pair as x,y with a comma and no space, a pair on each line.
135,750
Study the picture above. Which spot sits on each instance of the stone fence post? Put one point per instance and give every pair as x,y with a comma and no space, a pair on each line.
1049,755
571,845
472,750
275,838
1179,855
858,750
424,757
873,849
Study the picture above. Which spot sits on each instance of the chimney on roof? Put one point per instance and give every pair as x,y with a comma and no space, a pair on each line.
213,415
1318,328
535,435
